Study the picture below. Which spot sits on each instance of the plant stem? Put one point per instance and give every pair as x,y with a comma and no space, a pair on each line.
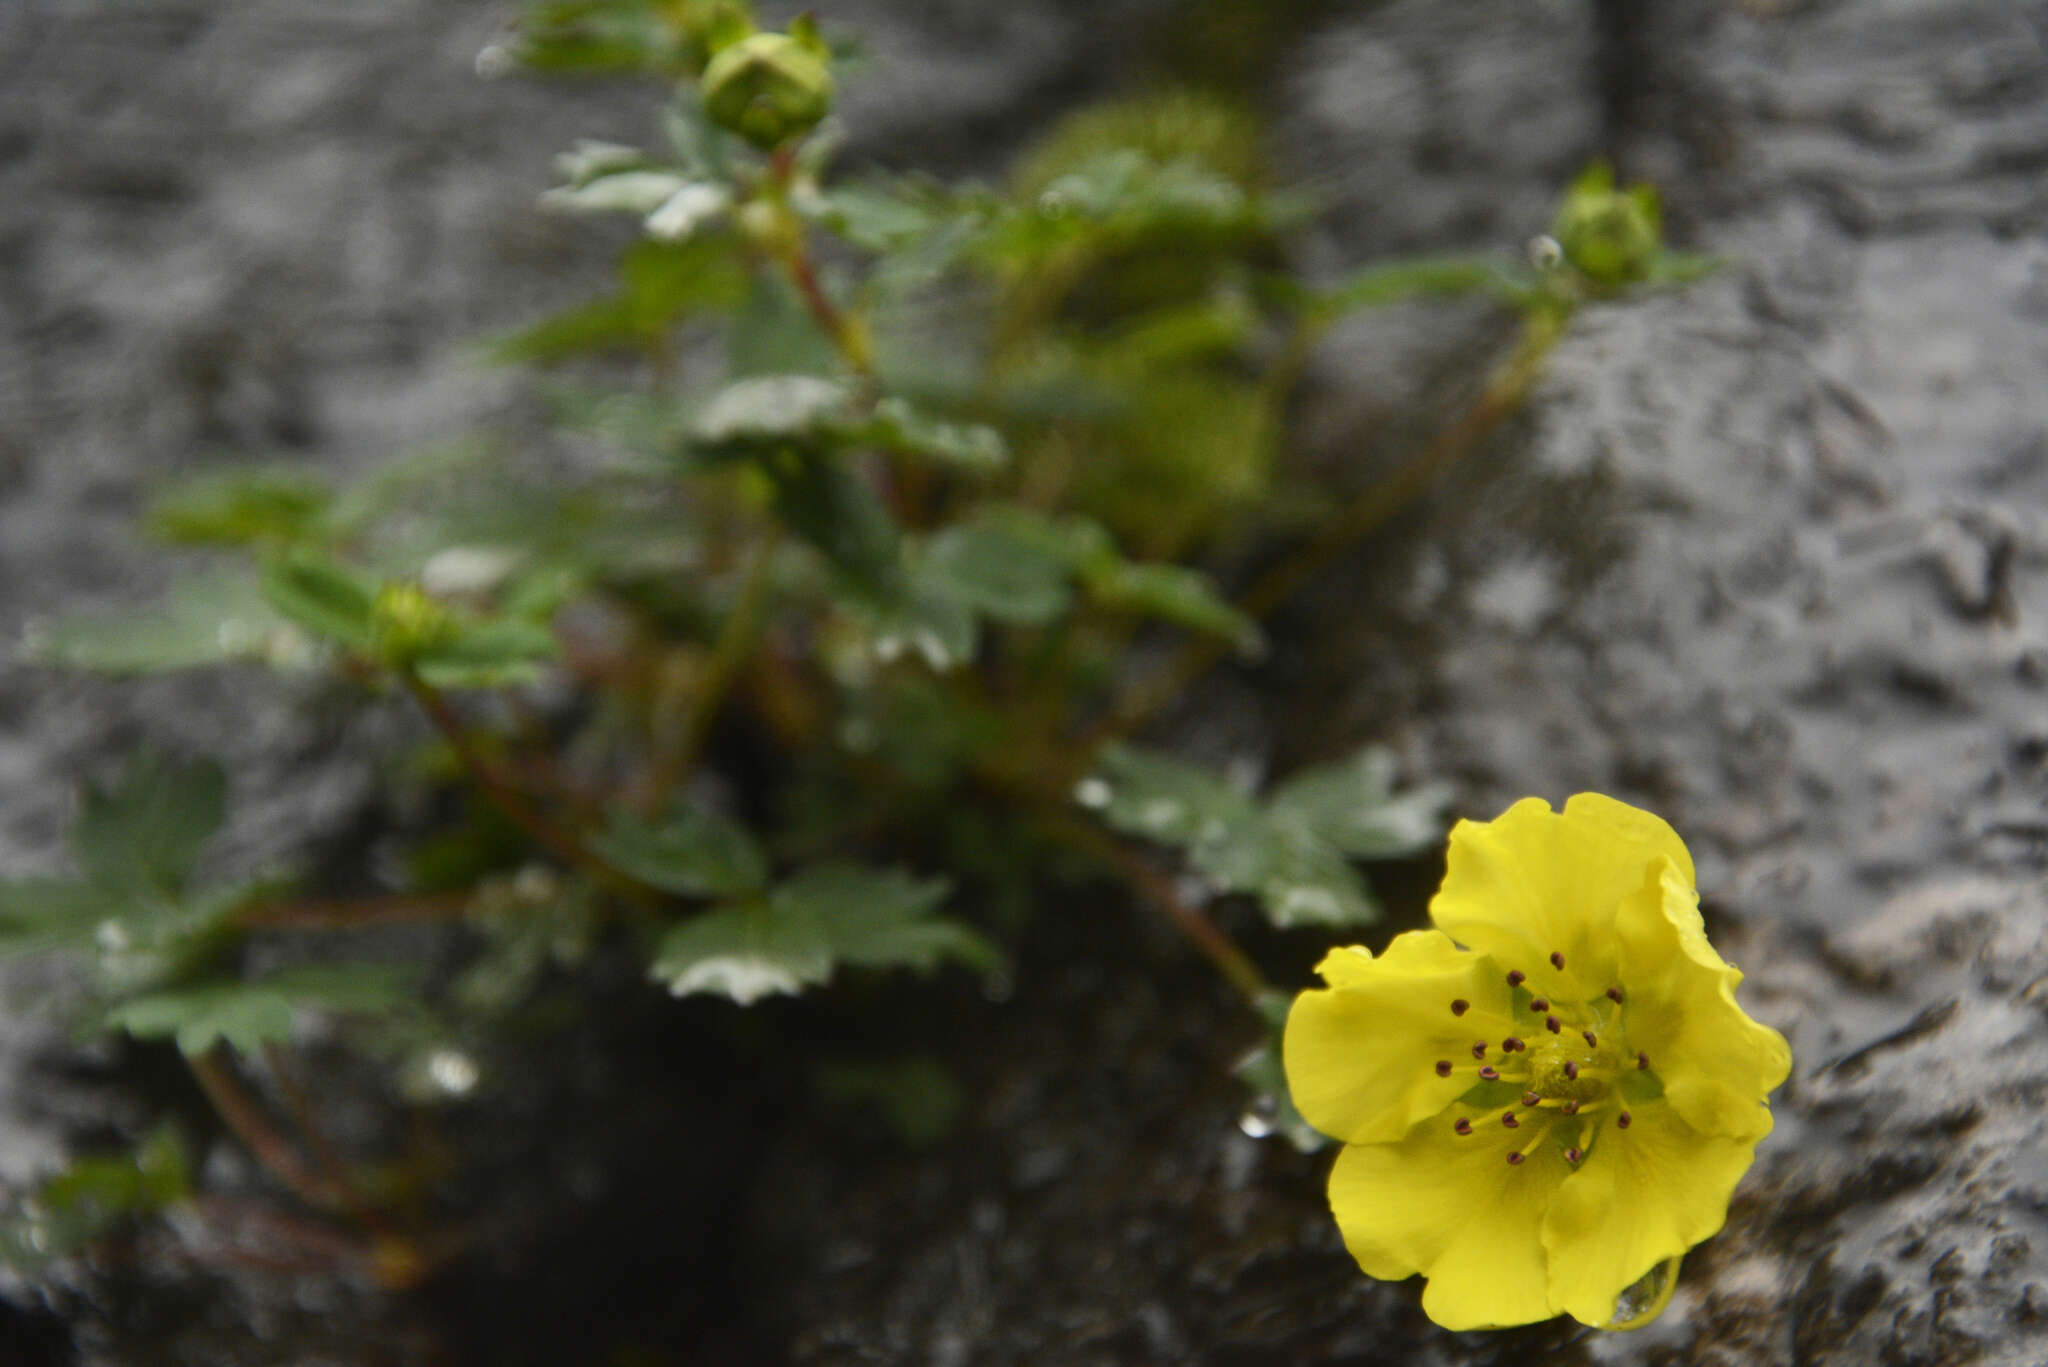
1158,889
736,638
505,795
353,913
244,1116
1505,391
324,1153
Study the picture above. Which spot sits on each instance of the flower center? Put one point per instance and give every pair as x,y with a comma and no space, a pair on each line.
1553,1069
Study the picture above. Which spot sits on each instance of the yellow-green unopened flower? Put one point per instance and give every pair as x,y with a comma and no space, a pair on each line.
1550,1097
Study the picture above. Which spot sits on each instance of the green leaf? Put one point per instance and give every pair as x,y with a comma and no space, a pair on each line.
1147,794
1299,877
639,190
745,952
898,426
1352,806
829,505
661,284
211,619
491,654
690,851
240,508
926,623
882,918
91,1197
996,574
142,836
249,1015
1306,883
38,914
1172,593
775,334
764,412
872,216
323,597
1394,281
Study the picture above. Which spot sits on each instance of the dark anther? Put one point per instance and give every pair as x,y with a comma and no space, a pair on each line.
1552,1024
1443,1067
1459,1006
1642,1060
1511,1044
1592,1040
1556,959
1614,995
1479,1049
1621,1122
1516,977
1539,1004
1531,1099
1573,1155
1510,1121
1514,1160
1490,1073
1570,1108
1463,1126
1571,1070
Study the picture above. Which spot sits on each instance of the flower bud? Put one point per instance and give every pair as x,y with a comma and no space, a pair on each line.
769,87
407,623
1611,237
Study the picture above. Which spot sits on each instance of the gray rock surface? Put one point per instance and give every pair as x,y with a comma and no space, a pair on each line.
1766,556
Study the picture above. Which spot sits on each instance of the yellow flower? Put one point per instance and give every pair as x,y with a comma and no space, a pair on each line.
1549,1098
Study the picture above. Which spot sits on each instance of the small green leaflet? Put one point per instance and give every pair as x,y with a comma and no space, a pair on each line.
90,1198
205,620
143,836
1292,852
688,851
249,1015
322,596
806,927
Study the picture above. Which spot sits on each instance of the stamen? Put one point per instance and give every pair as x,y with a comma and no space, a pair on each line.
1556,960
1463,1126
1512,1045
1622,1121
1479,1049
1516,977
1459,1006
1508,1119
1514,1160
1570,1107
1614,995
1642,1060
1553,1024
1573,1155
1532,1099
1490,1073
1592,1040
1443,1067
1539,1004
1571,1070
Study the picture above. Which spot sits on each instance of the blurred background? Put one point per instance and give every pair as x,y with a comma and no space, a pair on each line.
1764,554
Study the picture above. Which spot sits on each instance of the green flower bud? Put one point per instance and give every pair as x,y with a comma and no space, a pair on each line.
1611,237
769,88
406,623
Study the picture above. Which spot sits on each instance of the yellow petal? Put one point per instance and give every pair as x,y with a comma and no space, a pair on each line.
1452,1208
1533,882
1642,1195
1717,1064
1361,1055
